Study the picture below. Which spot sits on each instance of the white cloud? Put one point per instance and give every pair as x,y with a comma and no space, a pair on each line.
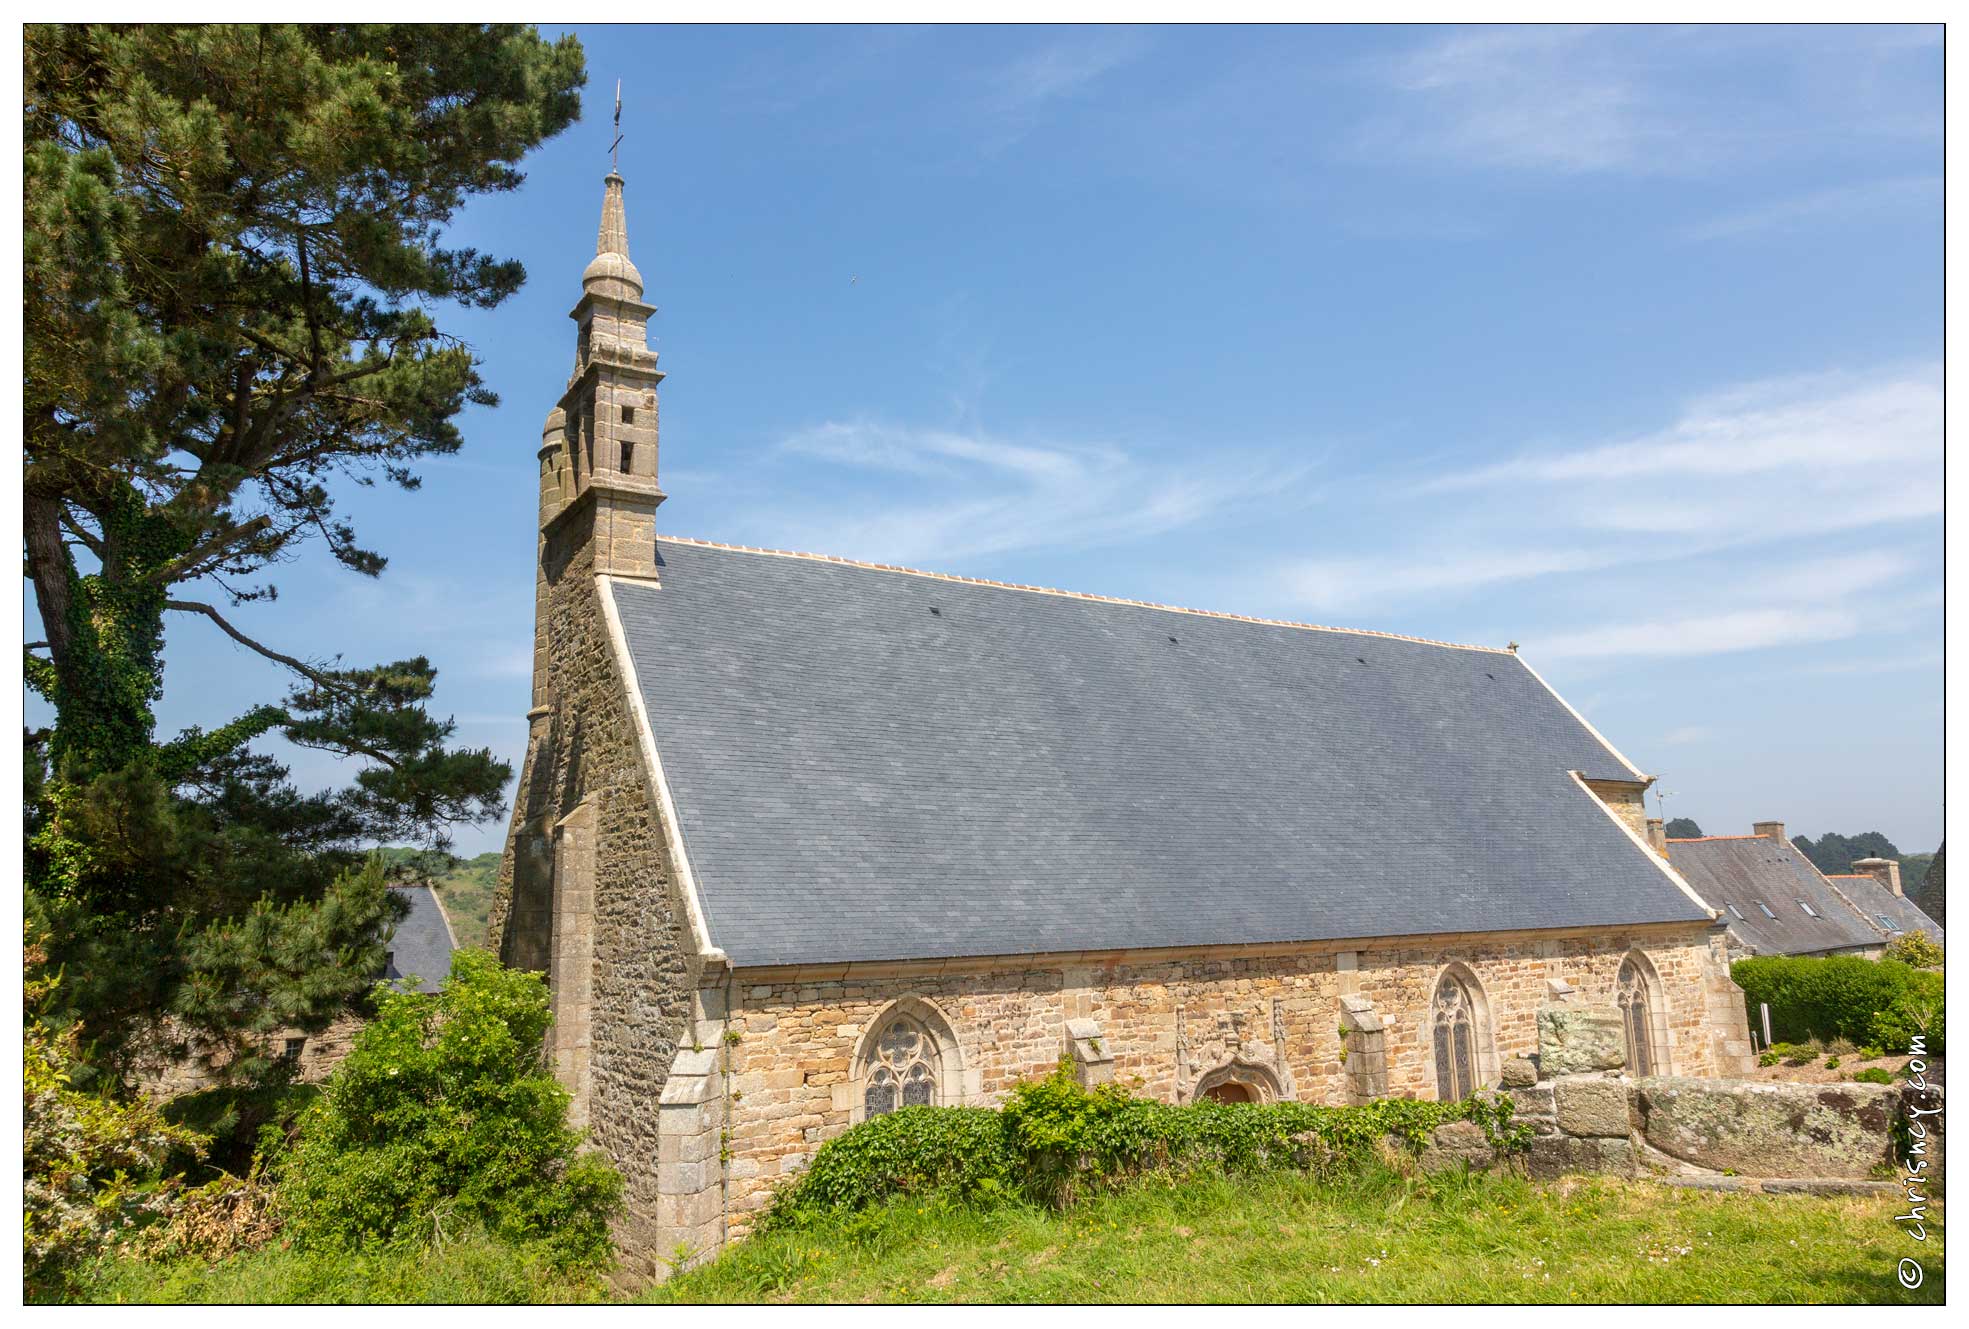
1653,100
1820,425
1743,514
969,493
1017,95
1344,583
1520,97
1688,733
1707,634
1839,203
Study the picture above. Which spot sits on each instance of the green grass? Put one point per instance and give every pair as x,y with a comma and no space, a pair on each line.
1382,1238
478,1270
1377,1239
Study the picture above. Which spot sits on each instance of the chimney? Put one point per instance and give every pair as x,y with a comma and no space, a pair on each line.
1658,836
1770,830
1883,870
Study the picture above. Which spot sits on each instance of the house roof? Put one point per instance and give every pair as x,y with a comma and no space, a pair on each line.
1893,912
421,946
872,764
1743,875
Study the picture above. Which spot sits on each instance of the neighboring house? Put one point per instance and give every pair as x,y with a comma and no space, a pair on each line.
420,948
1874,890
1777,903
800,840
422,944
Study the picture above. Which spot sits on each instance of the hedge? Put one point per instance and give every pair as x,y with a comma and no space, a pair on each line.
1883,1003
1055,1141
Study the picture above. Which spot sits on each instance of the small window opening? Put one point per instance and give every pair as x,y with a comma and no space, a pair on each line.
1767,910
1888,923
1733,909
628,415
938,612
628,456
293,1048
1809,911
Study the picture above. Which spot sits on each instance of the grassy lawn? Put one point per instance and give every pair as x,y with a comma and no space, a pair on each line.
1384,1238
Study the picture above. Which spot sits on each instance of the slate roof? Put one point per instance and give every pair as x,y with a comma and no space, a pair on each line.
871,764
421,946
1744,874
1894,912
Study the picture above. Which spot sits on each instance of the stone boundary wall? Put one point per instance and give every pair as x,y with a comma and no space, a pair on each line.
1709,1133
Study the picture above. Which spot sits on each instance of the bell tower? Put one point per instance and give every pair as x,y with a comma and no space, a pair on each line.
598,456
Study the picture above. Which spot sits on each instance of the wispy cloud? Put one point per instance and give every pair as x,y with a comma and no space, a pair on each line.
1014,97
1837,204
1688,733
1702,634
1330,584
1642,100
1744,513
1817,425
953,495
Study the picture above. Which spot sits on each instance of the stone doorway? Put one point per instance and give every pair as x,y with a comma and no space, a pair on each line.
1230,1091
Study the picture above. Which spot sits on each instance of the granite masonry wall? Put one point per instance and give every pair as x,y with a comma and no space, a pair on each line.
586,889
797,1043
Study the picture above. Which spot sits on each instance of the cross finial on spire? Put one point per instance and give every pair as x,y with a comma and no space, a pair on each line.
613,161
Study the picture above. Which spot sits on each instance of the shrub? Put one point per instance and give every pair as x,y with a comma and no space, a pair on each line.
1874,1075
1917,949
1870,1054
90,1164
1882,1003
1054,1142
441,1120
1832,1063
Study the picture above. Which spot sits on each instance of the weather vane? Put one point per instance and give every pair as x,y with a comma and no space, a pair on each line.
613,162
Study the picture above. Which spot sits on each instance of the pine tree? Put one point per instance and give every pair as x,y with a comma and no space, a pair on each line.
233,249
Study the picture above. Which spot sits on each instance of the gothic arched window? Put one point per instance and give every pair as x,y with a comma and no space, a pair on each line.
903,1063
1453,1015
1637,1016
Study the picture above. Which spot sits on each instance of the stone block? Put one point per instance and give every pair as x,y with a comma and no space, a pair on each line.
1518,1073
1534,1101
1573,1040
691,1061
1557,1155
1592,1106
1457,1144
1766,1129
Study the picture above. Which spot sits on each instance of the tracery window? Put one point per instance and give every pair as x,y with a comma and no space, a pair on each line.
901,1068
1637,1017
1454,1015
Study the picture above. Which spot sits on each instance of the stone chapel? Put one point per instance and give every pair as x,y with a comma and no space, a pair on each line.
800,839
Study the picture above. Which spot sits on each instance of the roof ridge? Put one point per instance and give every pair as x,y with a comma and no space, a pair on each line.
1698,839
1081,595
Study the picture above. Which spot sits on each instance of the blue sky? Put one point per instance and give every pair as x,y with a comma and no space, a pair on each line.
1624,344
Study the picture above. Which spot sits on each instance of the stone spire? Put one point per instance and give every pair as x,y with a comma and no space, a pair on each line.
611,272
